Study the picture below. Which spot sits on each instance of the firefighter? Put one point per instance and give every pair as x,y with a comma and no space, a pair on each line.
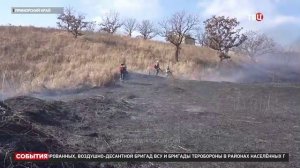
157,68
168,71
122,71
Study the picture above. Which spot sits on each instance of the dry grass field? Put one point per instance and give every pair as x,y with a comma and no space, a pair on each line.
33,59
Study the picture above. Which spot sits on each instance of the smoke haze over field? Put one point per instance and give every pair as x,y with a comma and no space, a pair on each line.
282,67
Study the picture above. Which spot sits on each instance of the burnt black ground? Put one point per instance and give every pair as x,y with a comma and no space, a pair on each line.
155,114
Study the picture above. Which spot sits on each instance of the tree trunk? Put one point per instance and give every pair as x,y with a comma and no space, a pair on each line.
177,53
75,34
224,56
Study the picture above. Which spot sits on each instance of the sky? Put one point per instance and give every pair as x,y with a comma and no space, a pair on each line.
281,17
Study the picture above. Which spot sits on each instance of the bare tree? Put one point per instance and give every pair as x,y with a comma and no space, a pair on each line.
200,37
256,45
177,27
71,23
111,22
130,25
222,34
91,26
147,30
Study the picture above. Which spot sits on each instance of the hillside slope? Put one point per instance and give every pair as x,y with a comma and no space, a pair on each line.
33,59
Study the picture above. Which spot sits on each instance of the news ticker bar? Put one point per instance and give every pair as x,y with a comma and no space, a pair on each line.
152,157
37,10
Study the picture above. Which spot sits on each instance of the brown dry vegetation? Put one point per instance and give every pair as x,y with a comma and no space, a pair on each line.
33,59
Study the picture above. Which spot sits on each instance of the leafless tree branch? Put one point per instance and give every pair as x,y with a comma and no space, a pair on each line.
146,29
111,22
177,27
222,34
130,25
91,26
70,22
256,45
